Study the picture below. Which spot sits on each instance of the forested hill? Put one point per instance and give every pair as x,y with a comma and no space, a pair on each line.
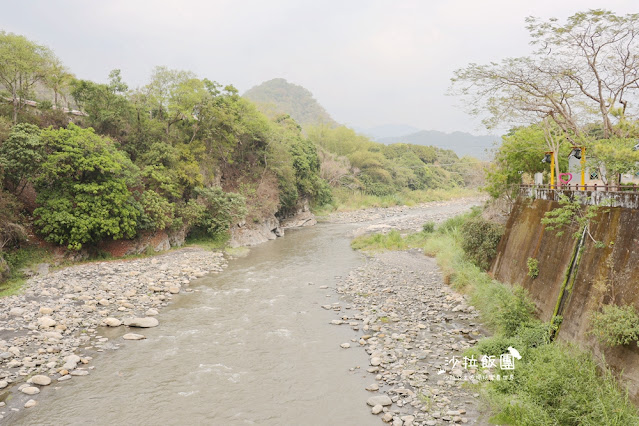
279,96
460,142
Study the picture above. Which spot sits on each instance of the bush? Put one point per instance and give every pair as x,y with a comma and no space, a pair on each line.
157,211
221,209
479,240
615,325
428,228
533,267
82,189
21,155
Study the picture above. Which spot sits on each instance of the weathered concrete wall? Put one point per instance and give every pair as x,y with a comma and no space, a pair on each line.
603,275
525,238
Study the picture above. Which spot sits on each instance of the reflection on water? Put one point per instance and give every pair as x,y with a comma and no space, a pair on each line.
251,346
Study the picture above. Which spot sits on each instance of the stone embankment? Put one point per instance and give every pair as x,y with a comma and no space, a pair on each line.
414,328
48,331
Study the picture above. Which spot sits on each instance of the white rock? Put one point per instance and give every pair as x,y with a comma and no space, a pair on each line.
30,403
45,310
30,390
112,322
345,345
375,361
374,387
145,322
133,336
377,409
41,380
46,322
16,312
174,289
151,312
3,384
379,400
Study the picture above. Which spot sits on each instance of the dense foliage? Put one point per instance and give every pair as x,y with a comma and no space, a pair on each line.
85,161
479,240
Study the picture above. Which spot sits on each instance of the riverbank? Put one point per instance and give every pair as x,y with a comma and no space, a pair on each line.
51,329
412,327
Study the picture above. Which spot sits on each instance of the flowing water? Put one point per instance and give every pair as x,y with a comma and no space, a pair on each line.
251,346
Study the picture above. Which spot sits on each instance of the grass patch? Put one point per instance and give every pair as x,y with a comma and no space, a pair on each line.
18,260
218,242
347,200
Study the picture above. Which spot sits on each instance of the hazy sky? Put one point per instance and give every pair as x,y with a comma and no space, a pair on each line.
367,62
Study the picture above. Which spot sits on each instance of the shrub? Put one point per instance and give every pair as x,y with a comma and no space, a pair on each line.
157,211
221,209
21,155
479,240
82,189
428,228
615,325
533,267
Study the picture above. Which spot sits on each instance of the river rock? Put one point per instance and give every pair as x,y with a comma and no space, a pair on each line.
112,322
146,322
133,336
44,310
71,362
345,345
3,384
30,403
151,312
377,409
79,373
379,400
30,390
16,312
41,380
46,322
373,387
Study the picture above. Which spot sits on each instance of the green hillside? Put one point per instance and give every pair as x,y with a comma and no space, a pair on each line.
278,96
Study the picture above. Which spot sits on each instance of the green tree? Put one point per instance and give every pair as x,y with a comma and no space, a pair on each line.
23,63
107,106
83,195
21,156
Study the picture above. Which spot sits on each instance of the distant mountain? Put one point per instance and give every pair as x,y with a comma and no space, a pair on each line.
280,96
460,142
387,131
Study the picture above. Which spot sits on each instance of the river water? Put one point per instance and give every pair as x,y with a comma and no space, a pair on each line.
251,346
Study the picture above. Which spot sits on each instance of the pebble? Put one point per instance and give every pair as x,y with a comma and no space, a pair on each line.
345,345
30,403
133,336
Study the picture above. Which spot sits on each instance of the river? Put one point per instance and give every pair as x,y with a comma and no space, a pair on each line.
249,346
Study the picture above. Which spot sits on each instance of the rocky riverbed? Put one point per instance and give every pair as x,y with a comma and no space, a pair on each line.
48,333
413,327
403,217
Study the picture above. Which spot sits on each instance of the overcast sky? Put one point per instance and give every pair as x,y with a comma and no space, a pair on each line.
367,62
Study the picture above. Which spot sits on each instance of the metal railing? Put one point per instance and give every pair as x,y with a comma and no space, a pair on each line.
581,188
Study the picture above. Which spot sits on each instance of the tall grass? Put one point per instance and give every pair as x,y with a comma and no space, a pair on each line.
347,200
